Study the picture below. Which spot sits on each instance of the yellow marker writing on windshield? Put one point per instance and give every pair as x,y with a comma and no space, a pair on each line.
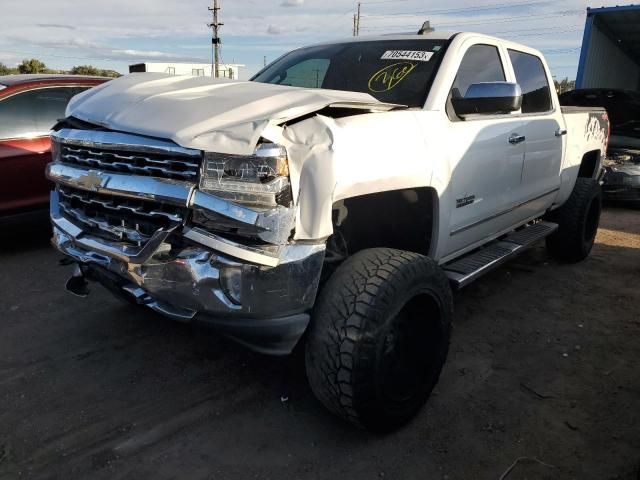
390,76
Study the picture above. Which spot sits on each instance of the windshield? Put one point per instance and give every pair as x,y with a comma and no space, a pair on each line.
394,71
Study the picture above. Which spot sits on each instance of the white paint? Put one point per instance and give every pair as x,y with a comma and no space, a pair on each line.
334,159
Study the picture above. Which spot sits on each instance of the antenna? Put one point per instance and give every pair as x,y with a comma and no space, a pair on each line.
426,28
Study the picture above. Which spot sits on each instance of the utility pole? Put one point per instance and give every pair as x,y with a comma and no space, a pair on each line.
358,20
265,61
354,24
215,39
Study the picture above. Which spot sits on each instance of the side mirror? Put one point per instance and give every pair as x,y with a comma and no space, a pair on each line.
488,98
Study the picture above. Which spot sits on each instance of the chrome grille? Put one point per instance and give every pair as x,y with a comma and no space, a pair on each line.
117,218
170,165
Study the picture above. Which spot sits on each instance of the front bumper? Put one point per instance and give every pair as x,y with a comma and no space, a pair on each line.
186,285
258,293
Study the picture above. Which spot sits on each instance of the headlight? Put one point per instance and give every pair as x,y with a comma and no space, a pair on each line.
261,179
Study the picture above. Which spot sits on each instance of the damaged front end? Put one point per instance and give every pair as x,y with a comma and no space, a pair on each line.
193,235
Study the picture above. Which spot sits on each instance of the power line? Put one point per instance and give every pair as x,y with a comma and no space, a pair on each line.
563,13
472,8
509,19
539,29
384,1
538,34
560,51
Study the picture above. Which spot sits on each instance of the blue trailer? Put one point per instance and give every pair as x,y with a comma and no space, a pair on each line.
610,54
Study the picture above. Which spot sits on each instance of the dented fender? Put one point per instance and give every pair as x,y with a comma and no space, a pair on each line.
334,159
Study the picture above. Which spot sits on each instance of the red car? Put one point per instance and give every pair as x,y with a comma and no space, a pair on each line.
29,106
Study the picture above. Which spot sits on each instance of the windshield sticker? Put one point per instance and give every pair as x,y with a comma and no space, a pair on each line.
416,55
390,76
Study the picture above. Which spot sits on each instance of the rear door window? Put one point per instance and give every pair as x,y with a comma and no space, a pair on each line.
531,76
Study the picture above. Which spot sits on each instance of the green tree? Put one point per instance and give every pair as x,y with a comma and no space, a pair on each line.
4,70
110,73
564,85
91,70
85,70
32,66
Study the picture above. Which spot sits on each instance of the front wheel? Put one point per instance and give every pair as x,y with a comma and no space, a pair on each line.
578,221
379,337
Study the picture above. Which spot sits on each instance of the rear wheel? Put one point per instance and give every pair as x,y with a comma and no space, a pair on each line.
578,221
379,337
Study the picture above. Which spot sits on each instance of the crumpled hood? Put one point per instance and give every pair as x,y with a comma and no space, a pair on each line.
204,113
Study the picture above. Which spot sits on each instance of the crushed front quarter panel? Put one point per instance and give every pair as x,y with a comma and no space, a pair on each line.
333,159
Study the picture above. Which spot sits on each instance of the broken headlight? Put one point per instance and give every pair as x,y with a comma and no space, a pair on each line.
261,179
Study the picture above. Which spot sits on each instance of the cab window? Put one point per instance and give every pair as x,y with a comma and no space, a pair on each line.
530,75
480,64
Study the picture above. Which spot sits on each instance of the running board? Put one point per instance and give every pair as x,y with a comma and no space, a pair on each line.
468,268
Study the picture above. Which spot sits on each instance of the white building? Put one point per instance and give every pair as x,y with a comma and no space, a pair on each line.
226,70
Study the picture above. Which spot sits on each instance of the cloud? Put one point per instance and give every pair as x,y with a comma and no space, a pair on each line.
56,25
70,32
142,53
274,30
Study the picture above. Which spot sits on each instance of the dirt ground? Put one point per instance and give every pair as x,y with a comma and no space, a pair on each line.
544,364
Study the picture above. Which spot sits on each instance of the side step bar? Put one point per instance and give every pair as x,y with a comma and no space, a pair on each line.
468,268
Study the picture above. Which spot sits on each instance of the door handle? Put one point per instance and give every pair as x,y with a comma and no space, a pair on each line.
560,132
515,139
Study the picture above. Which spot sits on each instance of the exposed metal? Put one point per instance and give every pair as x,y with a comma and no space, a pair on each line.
187,280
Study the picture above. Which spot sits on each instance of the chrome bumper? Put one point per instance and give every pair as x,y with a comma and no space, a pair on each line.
187,285
183,270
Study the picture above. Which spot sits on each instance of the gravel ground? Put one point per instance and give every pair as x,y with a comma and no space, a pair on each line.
543,365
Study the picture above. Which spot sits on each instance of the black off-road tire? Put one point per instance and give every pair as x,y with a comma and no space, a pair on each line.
577,221
379,337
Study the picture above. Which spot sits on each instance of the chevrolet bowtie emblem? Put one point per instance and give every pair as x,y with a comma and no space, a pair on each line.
91,181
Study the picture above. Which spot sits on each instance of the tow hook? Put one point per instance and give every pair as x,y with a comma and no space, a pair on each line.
77,284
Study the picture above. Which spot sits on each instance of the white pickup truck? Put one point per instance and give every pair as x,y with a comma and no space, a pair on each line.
337,197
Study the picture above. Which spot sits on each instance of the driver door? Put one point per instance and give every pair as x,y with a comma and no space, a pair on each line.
486,175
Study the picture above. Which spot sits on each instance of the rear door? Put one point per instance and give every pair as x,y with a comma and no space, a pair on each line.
544,131
487,176
26,119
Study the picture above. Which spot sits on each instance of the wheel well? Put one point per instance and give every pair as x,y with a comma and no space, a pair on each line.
589,164
401,219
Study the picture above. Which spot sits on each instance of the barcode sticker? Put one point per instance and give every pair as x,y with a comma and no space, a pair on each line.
416,55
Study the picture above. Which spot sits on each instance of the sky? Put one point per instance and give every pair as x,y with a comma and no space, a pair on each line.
116,33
